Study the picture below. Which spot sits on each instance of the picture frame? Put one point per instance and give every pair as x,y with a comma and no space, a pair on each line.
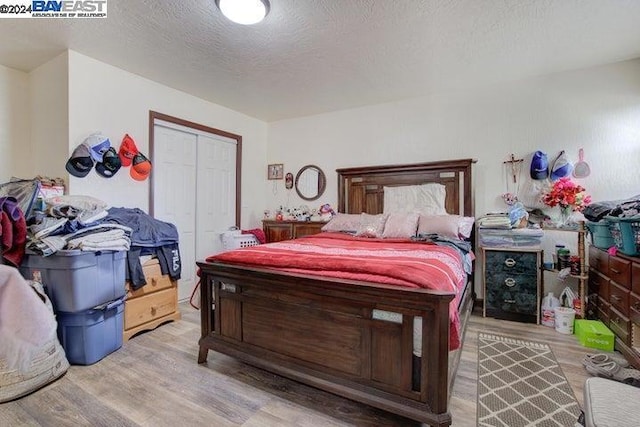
275,171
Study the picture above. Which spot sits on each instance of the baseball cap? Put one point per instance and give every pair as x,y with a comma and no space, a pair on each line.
561,167
110,163
539,165
140,167
80,163
98,145
127,150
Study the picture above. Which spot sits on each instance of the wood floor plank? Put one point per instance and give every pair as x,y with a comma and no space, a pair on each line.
154,380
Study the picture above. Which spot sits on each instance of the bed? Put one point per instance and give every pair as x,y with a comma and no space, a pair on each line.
350,337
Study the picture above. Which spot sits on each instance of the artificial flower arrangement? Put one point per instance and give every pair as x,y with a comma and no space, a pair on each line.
567,194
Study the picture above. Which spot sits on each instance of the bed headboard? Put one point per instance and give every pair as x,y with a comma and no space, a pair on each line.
361,189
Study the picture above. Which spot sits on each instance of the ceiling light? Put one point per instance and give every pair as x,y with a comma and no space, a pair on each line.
244,12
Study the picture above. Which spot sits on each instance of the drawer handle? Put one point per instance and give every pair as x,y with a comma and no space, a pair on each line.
636,306
510,282
614,270
616,298
509,262
154,281
510,301
153,311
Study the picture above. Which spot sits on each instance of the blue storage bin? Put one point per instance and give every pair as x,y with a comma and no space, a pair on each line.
626,234
600,234
88,336
78,280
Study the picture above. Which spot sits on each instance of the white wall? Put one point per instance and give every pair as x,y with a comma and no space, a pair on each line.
49,112
107,99
15,144
596,108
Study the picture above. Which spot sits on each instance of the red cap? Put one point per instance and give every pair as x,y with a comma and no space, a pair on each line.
140,167
128,150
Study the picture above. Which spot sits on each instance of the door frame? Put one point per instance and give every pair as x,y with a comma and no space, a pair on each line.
156,116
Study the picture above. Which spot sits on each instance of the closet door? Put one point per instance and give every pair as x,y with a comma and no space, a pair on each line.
175,172
194,188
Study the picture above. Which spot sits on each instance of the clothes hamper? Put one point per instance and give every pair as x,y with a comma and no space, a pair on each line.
90,335
78,280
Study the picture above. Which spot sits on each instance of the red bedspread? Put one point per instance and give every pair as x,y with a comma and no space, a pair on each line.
394,262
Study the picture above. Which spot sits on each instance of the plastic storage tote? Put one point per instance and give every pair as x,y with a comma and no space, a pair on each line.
600,234
626,234
90,335
77,280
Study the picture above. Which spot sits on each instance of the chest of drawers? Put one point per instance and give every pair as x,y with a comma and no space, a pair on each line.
275,231
151,305
512,283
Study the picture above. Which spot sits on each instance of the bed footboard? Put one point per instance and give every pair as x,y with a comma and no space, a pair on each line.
323,332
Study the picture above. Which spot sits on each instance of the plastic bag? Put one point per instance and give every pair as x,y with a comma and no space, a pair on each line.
569,299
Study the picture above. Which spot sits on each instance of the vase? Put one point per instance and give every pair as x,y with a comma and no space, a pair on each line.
565,217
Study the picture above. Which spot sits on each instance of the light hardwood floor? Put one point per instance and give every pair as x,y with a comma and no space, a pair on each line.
154,380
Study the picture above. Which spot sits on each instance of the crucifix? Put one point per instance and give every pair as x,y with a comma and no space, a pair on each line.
515,166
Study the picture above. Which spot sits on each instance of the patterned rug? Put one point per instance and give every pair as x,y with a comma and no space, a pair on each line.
521,384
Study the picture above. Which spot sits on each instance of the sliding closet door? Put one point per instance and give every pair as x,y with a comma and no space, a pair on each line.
175,172
195,189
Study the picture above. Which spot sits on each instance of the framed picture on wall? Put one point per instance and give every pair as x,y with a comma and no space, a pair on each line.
275,171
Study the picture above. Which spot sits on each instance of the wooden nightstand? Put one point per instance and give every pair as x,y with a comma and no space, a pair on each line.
276,231
512,283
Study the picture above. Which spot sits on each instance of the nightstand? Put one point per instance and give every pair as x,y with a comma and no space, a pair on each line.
512,283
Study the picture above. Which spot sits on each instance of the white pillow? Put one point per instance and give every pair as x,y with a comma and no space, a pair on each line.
401,225
428,199
453,226
343,223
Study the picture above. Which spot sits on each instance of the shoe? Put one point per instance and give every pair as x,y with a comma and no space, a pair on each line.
611,370
601,358
47,226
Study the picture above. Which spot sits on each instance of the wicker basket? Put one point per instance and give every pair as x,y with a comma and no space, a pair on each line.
234,239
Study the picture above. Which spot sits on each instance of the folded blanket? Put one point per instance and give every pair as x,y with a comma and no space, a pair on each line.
25,322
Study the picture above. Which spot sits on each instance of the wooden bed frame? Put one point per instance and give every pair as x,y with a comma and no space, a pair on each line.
321,331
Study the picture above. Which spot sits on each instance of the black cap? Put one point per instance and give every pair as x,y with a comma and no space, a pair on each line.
80,162
110,163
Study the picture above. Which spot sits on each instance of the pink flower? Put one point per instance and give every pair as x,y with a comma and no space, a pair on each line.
567,194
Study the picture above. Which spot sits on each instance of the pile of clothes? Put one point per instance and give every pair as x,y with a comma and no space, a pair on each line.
87,224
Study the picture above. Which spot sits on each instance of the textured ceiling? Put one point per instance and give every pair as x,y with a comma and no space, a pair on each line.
314,56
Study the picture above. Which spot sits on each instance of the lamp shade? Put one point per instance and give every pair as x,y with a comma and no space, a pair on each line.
245,12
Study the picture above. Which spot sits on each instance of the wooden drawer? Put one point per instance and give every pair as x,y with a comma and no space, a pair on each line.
620,271
155,281
620,325
599,283
599,260
603,311
634,308
619,298
306,229
635,278
149,307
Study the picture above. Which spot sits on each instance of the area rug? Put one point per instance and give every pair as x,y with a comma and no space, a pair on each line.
521,384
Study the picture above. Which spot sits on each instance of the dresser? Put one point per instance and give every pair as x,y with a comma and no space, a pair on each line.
276,231
512,283
614,283
151,305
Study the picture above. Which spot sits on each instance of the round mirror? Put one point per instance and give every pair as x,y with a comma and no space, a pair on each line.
310,182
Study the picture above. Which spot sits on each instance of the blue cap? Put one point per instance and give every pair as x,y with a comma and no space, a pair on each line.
98,145
539,165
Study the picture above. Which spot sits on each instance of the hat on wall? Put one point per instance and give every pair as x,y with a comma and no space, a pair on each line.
539,165
80,163
127,151
110,163
561,167
98,145
140,167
